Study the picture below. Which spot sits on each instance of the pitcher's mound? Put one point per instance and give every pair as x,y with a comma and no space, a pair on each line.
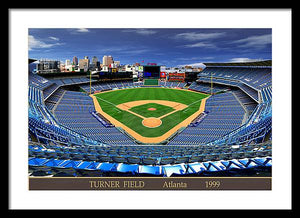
152,122
151,109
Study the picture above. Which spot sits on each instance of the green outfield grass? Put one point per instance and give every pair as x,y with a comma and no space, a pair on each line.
109,100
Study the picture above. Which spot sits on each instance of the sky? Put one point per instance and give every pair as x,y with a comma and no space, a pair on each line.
165,46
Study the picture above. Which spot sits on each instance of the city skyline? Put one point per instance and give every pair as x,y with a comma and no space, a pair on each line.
169,47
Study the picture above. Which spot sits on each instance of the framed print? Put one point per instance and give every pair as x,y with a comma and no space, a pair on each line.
157,106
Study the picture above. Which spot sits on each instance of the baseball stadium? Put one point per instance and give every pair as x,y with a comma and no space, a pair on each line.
219,123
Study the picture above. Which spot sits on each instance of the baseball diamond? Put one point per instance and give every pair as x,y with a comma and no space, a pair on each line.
128,109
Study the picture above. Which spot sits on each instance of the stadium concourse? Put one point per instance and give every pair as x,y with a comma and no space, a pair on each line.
233,136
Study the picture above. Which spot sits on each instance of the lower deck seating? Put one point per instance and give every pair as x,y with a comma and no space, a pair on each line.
224,115
102,86
75,111
146,160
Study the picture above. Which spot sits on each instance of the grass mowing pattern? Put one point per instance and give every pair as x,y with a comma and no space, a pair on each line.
111,99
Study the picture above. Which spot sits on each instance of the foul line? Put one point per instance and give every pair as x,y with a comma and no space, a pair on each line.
105,100
194,102
109,103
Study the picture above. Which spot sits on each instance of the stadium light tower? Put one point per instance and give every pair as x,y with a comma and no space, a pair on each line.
211,89
90,82
211,84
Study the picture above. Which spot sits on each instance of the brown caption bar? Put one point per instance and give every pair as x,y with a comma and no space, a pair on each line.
148,183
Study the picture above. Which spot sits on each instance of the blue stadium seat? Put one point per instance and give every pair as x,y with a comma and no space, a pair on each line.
173,170
151,170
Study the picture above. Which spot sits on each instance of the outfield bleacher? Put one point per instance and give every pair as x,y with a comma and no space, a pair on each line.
254,77
38,81
249,79
71,80
169,84
104,86
207,88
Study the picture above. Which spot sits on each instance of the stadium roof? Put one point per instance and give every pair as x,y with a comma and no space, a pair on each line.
31,60
256,63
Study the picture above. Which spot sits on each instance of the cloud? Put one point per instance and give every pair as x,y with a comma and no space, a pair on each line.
254,41
193,36
54,38
239,60
145,32
34,43
202,38
135,51
194,58
112,49
141,31
126,50
78,30
82,30
199,45
193,65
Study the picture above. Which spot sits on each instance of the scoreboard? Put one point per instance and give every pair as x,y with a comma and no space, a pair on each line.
176,77
151,71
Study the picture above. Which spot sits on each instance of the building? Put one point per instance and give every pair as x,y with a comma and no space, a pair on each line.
94,60
128,68
117,63
107,60
67,62
84,65
75,61
104,60
62,67
104,68
48,66
113,65
95,64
